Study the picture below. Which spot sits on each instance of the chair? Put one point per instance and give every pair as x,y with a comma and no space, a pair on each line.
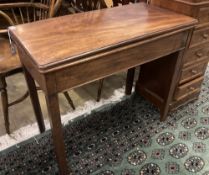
86,5
124,2
13,14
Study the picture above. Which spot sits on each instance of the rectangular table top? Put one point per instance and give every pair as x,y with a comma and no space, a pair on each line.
65,39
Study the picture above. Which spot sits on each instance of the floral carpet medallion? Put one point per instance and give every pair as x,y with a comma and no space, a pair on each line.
123,139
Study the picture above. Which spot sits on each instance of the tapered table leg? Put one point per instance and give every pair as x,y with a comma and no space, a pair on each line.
99,92
164,113
70,101
57,133
34,100
129,81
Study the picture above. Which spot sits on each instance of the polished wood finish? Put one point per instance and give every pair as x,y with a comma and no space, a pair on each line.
99,46
34,97
200,36
196,56
100,34
157,81
193,72
198,10
56,126
110,63
8,61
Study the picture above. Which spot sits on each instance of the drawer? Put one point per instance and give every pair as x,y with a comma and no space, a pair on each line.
185,99
200,36
195,54
203,16
192,72
188,88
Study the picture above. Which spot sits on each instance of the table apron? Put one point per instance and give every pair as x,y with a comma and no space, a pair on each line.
114,62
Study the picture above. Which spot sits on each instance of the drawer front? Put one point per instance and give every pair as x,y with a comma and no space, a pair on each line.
203,16
195,54
192,72
188,88
184,100
200,36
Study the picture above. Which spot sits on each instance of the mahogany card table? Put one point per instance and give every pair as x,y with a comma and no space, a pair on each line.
69,51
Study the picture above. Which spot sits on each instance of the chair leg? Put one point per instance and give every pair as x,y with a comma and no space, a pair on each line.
70,101
99,92
129,81
5,105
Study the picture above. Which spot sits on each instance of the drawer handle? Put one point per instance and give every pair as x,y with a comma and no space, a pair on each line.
194,71
191,88
199,54
205,35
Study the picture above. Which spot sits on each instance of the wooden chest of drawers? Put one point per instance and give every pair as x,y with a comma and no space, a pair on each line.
196,56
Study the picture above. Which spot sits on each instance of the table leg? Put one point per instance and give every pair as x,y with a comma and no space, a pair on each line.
70,101
164,113
34,100
129,81
99,92
57,133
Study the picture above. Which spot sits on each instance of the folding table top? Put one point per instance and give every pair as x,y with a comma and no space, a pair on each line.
71,38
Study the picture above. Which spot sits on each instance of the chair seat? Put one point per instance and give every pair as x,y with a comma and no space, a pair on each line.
8,62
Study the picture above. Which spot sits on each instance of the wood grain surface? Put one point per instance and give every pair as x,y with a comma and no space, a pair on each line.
97,30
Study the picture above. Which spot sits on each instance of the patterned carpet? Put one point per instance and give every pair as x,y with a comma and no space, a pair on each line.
124,139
